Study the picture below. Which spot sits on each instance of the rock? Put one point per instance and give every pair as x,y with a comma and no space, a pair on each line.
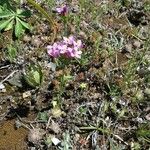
35,135
55,141
55,127
128,48
147,91
148,117
52,66
26,94
2,88
36,41
26,38
137,44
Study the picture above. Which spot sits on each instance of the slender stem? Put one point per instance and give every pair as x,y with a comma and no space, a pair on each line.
88,128
48,17
94,128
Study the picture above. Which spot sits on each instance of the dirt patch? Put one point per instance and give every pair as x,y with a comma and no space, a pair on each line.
11,138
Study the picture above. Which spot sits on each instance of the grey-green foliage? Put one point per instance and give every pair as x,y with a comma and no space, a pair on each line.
66,143
114,146
13,18
11,53
33,75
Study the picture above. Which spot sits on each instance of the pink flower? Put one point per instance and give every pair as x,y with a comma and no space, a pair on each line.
62,10
68,47
53,50
73,53
69,40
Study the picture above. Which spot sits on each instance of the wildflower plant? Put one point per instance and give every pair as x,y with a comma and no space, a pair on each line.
63,51
13,18
64,14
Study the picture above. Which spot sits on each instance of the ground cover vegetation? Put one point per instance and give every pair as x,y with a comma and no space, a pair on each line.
75,75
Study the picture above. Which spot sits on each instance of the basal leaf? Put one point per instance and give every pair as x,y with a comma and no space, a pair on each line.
36,76
4,23
26,25
30,81
6,14
1,10
18,28
19,11
9,26
25,13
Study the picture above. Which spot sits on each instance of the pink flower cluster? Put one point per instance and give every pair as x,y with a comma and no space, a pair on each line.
68,47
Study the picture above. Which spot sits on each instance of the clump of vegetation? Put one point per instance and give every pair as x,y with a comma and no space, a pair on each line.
12,18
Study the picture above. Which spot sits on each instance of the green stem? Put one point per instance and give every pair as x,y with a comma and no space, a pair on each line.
94,128
48,17
41,10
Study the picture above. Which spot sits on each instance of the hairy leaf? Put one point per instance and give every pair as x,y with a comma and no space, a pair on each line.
18,28
26,25
4,23
6,14
9,26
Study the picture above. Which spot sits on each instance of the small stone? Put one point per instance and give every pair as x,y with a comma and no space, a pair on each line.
26,94
77,137
148,117
55,141
147,91
140,120
2,86
36,41
136,44
83,34
35,135
52,66
26,38
55,127
128,48
56,112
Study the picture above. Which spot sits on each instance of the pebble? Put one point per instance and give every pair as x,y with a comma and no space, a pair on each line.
55,141
26,38
147,91
148,117
26,94
2,86
36,41
128,48
137,44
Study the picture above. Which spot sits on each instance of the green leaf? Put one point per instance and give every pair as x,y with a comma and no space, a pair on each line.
30,81
9,26
37,77
18,28
1,10
16,80
25,13
43,116
26,25
3,2
19,11
4,23
33,75
12,51
6,14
